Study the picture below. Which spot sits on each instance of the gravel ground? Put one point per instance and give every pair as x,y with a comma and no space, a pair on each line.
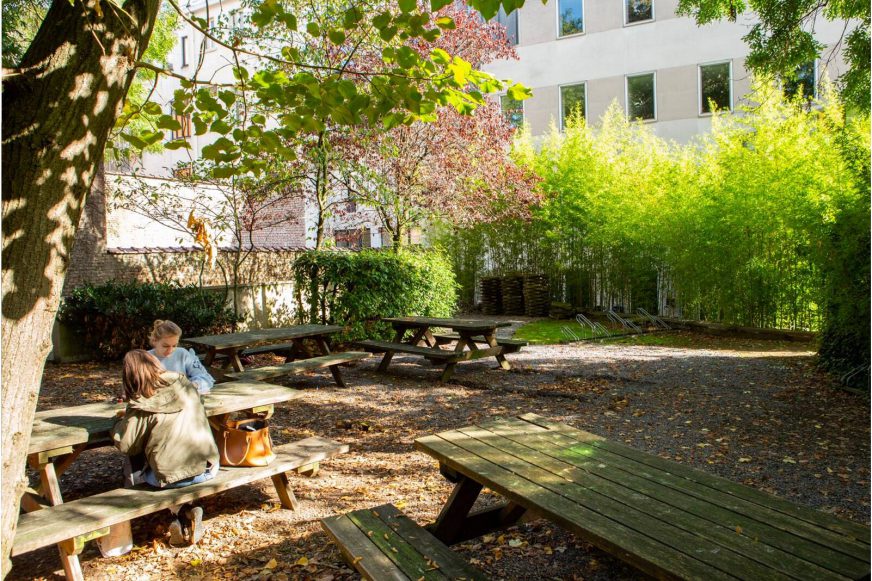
751,411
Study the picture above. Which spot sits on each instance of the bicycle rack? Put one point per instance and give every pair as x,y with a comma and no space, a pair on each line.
628,325
655,320
597,329
569,333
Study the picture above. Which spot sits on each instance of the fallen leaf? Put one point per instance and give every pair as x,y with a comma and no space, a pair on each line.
744,459
302,562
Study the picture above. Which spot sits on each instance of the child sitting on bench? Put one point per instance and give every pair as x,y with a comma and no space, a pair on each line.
164,340
166,423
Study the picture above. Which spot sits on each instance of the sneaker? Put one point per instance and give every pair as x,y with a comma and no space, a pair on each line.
177,534
195,516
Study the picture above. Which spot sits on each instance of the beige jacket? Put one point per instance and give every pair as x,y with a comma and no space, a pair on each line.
171,429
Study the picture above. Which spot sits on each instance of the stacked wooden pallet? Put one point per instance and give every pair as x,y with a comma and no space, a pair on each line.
512,287
536,299
561,311
491,295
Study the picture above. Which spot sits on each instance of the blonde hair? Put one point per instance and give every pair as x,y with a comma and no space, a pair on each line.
141,375
162,329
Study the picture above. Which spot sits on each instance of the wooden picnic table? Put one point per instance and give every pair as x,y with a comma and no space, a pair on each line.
669,520
60,435
232,344
468,333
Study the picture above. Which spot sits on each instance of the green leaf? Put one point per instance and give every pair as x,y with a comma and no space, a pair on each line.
446,23
220,127
223,172
439,56
407,5
178,144
437,4
388,33
169,122
336,36
382,20
519,92
313,29
152,108
227,97
134,140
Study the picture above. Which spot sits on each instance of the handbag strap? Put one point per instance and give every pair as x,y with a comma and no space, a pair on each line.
244,454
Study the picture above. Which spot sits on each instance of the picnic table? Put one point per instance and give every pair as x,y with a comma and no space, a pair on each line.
290,339
669,520
467,333
60,435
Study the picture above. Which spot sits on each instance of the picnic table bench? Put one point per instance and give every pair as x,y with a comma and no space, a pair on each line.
666,519
287,341
296,367
422,342
60,435
383,543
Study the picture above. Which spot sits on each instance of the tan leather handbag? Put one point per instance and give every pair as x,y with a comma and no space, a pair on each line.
243,442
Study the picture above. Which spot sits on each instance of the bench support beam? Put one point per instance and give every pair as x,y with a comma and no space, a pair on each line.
285,492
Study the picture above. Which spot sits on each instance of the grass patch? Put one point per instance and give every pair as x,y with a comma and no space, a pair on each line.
550,331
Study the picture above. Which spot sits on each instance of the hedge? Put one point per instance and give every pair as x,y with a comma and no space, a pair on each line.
355,289
114,318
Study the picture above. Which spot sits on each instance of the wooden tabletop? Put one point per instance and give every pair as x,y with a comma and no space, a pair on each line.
456,324
667,519
70,426
251,338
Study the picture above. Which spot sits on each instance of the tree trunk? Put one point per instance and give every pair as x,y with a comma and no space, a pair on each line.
57,114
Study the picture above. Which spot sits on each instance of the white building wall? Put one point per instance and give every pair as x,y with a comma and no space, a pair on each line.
671,46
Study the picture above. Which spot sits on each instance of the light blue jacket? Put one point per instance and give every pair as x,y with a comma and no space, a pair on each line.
184,361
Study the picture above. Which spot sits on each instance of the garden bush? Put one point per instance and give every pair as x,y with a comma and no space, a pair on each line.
355,289
113,318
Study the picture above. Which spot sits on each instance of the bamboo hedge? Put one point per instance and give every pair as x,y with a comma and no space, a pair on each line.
762,222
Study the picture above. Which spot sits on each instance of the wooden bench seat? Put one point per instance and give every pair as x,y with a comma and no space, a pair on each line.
299,366
283,349
508,345
383,346
383,543
69,522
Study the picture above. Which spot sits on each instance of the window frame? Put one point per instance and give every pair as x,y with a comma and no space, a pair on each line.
513,14
627,95
183,44
583,22
210,44
560,101
626,19
699,99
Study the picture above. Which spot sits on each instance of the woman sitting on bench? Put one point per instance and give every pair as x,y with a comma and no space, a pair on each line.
164,340
165,421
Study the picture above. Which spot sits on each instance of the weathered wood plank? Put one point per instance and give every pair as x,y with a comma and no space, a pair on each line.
450,563
395,547
695,516
360,552
387,346
455,324
58,523
633,546
841,527
299,366
491,448
256,337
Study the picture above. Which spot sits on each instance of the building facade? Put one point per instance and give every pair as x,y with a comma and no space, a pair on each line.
659,67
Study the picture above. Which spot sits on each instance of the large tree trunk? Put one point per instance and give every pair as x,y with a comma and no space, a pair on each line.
57,114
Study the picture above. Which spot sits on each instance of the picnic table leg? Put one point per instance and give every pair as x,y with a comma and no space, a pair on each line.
449,367
234,362
386,360
450,521
286,494
52,491
324,347
492,341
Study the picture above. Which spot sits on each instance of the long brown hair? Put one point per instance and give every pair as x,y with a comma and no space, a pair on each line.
141,375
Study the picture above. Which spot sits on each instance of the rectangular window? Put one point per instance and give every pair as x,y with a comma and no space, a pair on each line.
209,43
641,99
638,11
572,101
804,81
513,111
352,238
183,44
185,131
715,88
510,21
570,14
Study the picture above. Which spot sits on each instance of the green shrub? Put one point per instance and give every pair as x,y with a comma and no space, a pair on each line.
355,289
113,318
